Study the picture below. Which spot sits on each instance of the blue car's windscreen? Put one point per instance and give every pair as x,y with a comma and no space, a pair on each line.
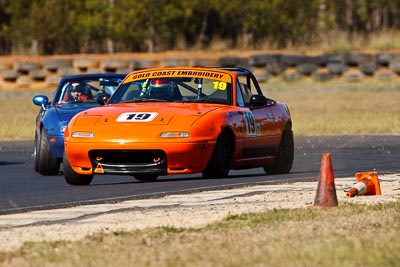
85,90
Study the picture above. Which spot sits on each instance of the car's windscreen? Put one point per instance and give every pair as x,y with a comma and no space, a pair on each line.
175,89
86,90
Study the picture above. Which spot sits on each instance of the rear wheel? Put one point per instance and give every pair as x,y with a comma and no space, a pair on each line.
146,177
45,163
285,155
220,161
72,177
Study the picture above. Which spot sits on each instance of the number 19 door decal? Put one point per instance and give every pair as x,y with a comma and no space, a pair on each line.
251,129
137,116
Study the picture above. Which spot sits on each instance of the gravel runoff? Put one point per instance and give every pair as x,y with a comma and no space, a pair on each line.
188,210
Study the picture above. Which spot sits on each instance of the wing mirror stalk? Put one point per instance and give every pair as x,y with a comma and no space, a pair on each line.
261,101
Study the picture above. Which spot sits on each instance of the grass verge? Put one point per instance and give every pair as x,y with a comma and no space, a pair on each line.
17,116
348,235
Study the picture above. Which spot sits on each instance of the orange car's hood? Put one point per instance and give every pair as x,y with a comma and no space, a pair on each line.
147,113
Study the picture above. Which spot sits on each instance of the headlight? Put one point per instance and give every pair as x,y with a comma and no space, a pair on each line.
83,134
174,134
63,129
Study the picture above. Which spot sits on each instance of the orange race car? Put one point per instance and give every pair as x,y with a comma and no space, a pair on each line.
180,120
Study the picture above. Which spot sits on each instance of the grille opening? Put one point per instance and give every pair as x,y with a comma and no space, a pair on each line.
129,161
127,157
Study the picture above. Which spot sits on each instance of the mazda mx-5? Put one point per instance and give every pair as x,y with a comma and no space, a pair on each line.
180,120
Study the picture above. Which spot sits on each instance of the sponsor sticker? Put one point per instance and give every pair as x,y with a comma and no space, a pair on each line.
137,116
213,75
251,128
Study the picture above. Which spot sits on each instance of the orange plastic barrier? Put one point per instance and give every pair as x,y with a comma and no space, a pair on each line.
367,185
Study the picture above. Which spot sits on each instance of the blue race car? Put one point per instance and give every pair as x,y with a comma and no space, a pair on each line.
73,94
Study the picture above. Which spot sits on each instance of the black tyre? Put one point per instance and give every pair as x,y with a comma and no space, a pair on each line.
142,64
320,60
229,61
220,162
368,68
10,75
306,68
113,64
146,177
172,62
293,60
72,177
384,59
26,67
202,62
275,67
355,59
45,163
336,68
321,76
394,66
38,75
285,155
261,60
335,58
53,65
35,154
85,63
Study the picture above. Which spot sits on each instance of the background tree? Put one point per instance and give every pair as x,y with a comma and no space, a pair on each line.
108,26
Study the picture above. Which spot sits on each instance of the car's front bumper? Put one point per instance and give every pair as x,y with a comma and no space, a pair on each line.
135,158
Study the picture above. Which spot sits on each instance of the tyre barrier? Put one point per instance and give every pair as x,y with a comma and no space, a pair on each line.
203,62
289,67
53,65
83,64
293,60
395,67
306,68
336,68
261,60
321,75
112,65
142,64
171,62
26,67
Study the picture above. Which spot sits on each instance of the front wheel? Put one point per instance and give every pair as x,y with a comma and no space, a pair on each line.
45,163
220,162
285,155
72,177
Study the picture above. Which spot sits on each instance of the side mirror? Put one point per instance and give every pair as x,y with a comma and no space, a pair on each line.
260,101
40,100
102,98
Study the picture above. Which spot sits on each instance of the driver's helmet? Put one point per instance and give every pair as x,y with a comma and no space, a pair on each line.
160,88
80,88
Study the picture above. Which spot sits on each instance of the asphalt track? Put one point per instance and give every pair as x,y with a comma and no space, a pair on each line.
21,189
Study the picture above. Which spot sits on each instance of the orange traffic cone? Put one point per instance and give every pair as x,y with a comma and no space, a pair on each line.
326,192
367,185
